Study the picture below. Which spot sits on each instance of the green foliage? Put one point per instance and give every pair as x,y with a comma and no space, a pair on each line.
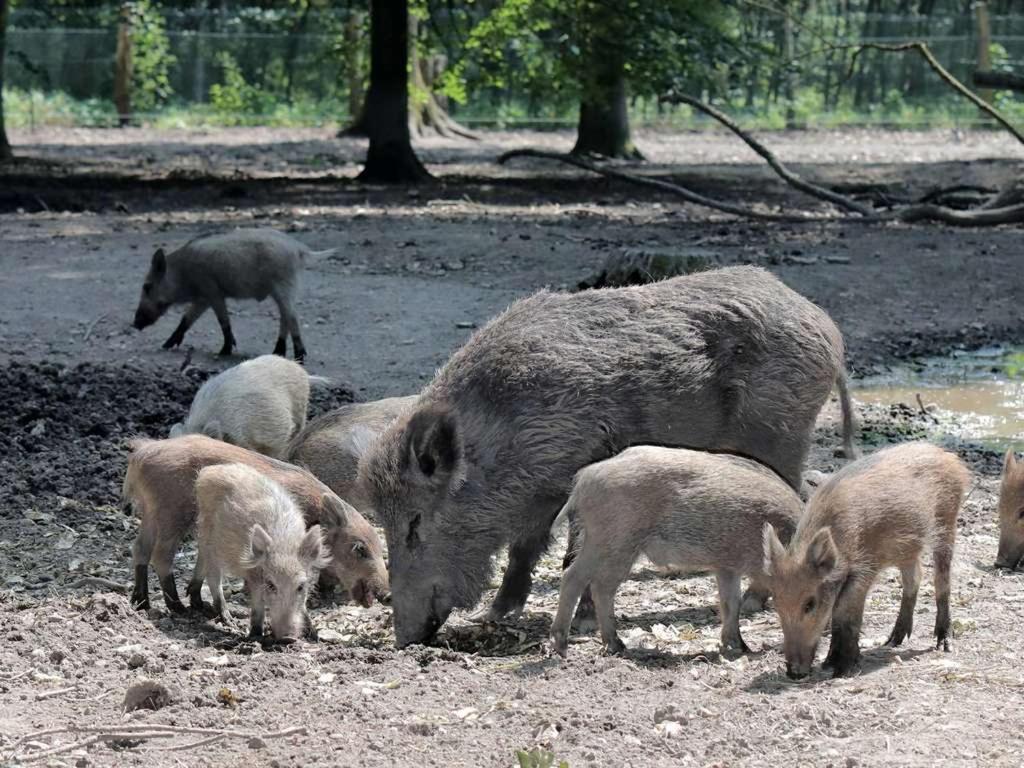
234,100
151,57
539,758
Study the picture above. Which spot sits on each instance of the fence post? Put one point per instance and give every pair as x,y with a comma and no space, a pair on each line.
123,67
984,57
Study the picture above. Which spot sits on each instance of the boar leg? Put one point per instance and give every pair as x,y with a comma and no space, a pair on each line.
193,313
943,562
523,555
910,575
574,580
847,616
729,610
163,564
285,301
195,587
308,628
584,621
603,589
215,580
142,549
257,609
220,308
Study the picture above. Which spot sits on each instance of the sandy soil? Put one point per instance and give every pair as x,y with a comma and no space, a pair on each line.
417,268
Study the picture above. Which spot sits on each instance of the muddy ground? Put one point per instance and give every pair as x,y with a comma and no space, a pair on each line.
416,270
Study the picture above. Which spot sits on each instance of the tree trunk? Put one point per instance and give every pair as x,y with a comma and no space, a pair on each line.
123,67
604,115
426,111
390,158
5,146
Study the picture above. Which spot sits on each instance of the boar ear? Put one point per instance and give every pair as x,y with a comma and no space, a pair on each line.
822,554
773,549
334,512
432,443
1009,462
259,544
178,430
159,263
213,429
312,550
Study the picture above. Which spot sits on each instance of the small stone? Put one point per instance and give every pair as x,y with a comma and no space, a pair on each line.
136,660
328,636
57,656
465,324
256,743
146,694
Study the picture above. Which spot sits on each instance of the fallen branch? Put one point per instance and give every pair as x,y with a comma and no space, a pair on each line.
140,732
787,175
686,194
978,217
58,692
943,73
99,581
92,325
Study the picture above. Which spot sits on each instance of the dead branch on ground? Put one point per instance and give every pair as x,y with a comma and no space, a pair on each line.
787,175
129,732
944,74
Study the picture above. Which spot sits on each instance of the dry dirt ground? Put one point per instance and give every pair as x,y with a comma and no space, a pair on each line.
416,269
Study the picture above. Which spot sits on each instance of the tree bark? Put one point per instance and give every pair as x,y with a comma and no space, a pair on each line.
603,127
123,67
390,158
5,145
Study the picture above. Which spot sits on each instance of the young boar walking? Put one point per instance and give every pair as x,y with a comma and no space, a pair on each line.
160,485
259,404
251,528
684,508
243,264
331,445
1011,514
879,512
730,359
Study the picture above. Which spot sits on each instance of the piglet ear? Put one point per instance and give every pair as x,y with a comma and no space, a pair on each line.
259,547
823,554
1009,462
159,263
773,549
334,513
312,551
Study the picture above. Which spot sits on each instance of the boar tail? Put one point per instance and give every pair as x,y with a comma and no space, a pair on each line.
843,385
322,254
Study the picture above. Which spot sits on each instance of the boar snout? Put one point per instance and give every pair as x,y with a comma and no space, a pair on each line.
142,320
418,623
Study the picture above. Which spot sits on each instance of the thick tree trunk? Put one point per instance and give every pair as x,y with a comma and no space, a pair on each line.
426,111
5,146
390,158
604,115
123,68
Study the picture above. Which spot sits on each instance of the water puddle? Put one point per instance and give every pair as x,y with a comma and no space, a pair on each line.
977,395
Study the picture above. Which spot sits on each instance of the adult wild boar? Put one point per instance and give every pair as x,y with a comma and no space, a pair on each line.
331,445
730,359
243,264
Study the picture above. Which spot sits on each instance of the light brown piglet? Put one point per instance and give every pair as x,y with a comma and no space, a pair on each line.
1011,514
160,485
879,512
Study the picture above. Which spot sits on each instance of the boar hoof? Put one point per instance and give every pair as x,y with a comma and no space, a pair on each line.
559,643
310,634
896,638
140,602
173,341
225,351
943,643
615,647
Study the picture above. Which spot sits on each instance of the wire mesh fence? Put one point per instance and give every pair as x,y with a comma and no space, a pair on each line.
265,67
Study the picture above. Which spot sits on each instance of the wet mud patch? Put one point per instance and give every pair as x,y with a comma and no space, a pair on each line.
66,434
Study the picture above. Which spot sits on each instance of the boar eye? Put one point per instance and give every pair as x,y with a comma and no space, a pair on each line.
413,537
359,549
301,587
809,606
1020,515
269,586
